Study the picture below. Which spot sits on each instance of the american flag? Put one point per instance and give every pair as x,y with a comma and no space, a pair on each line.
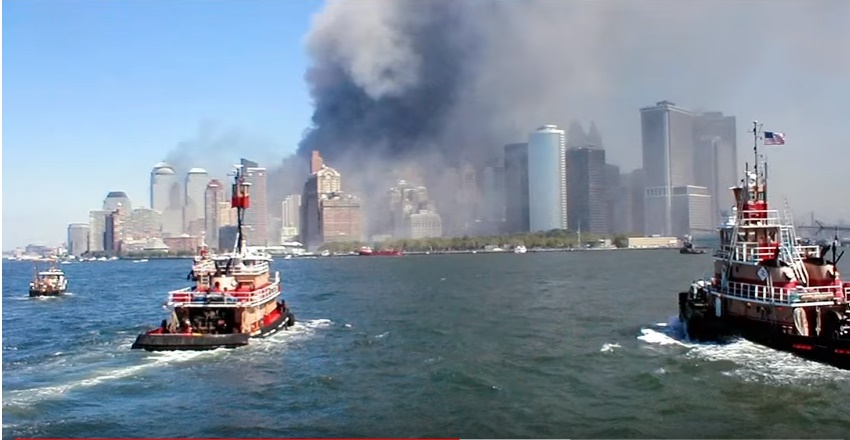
774,138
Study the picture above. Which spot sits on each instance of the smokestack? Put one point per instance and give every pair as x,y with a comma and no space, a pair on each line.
316,162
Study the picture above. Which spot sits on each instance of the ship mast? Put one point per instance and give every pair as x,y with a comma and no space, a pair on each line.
240,199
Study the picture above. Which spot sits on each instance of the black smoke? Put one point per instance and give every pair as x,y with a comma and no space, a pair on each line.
431,84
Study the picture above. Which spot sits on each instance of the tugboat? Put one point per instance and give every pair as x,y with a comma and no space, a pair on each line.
51,282
767,286
688,246
234,297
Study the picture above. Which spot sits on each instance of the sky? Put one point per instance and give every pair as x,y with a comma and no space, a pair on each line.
97,92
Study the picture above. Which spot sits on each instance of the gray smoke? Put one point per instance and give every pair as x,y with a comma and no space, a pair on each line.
437,82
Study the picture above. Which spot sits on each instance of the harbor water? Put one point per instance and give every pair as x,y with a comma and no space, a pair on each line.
537,345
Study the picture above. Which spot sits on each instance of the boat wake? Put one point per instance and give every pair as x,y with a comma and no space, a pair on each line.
299,332
152,360
32,396
754,362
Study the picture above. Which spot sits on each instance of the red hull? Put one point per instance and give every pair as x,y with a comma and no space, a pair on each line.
380,253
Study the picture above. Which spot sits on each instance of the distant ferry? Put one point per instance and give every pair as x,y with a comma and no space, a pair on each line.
368,251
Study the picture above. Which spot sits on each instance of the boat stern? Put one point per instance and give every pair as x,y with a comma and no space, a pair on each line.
186,341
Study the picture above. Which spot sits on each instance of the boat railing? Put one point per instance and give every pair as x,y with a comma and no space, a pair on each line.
758,292
187,297
761,217
259,268
752,252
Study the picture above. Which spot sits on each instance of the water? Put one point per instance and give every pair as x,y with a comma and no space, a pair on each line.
567,345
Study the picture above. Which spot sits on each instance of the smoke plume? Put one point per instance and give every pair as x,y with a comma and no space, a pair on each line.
435,83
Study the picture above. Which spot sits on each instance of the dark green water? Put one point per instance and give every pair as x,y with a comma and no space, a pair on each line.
566,345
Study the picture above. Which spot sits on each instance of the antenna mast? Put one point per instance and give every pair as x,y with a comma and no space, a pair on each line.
240,199
756,134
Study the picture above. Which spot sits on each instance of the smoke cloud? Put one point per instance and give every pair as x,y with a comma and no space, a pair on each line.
433,83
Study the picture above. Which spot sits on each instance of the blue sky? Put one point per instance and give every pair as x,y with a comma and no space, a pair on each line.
96,92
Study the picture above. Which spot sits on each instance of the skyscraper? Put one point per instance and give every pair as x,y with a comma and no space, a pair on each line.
494,193
586,188
214,196
716,159
547,179
256,218
78,238
97,230
162,177
194,197
668,151
290,217
516,187
165,195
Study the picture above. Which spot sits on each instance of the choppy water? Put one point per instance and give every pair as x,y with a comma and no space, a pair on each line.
568,345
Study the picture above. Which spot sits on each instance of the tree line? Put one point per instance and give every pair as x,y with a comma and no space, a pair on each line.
554,239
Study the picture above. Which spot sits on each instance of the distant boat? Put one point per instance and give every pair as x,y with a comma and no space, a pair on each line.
520,249
367,251
143,260
51,282
688,247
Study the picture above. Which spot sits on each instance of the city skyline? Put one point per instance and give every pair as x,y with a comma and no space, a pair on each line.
104,117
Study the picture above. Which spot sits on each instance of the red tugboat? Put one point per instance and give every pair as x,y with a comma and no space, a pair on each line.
233,299
767,286
368,251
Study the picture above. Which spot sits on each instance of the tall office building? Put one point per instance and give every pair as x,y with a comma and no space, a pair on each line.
143,224
162,177
406,201
716,159
290,217
194,196
113,233
494,192
97,230
166,197
668,163
587,190
78,238
341,218
547,179
256,218
214,195
323,181
516,187
613,186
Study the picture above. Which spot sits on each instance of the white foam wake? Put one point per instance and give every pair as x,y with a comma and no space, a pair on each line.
607,347
29,397
754,362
